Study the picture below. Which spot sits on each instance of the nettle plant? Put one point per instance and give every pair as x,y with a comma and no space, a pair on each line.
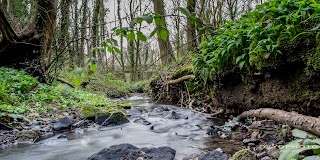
254,41
306,147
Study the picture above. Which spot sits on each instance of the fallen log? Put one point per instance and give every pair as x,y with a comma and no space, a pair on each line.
293,119
181,79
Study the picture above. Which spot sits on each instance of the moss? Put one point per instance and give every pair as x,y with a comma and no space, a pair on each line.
89,111
186,70
123,105
313,61
244,154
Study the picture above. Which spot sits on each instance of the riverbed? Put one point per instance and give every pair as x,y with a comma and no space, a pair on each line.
150,126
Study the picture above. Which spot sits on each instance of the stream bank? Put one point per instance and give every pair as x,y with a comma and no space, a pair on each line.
151,125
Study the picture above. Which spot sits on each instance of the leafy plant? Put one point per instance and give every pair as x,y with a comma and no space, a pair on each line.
254,41
304,142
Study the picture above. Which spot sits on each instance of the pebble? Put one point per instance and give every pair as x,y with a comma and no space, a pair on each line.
266,158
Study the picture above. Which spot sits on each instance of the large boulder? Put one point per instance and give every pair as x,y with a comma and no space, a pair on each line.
130,152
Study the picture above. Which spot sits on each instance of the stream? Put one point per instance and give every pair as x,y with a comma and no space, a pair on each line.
186,135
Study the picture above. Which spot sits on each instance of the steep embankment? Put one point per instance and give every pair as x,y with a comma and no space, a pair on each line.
268,58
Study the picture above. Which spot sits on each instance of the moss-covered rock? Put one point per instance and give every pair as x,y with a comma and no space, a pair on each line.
89,111
244,154
111,118
27,136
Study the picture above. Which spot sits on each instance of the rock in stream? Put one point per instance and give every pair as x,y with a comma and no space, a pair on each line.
130,152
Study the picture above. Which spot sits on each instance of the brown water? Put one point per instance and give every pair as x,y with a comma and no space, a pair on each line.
186,136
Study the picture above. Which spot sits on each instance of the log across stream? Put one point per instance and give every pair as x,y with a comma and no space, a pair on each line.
183,131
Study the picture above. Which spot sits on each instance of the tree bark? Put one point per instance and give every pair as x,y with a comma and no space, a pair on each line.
31,48
121,43
83,31
165,47
191,26
293,119
64,28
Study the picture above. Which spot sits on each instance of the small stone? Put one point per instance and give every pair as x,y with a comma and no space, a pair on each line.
251,145
255,135
275,154
63,124
266,158
267,137
62,136
27,136
247,141
262,154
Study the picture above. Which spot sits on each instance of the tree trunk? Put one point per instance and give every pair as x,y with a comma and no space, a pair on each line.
191,26
293,119
165,47
121,42
76,34
31,48
95,27
64,36
84,20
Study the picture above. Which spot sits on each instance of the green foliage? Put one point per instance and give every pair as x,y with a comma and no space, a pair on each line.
304,142
254,42
20,93
139,87
132,34
104,83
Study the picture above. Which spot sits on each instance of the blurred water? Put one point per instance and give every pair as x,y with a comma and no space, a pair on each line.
186,136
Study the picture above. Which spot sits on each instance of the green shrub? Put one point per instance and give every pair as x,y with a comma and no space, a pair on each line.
254,41
19,93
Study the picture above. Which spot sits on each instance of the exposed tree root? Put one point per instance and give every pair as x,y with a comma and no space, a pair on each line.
181,79
293,119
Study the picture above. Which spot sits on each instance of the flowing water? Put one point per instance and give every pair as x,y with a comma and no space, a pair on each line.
186,135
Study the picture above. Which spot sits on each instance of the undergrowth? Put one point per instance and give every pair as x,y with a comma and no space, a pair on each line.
21,93
256,40
104,83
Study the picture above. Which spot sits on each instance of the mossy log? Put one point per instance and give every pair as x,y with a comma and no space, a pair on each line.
293,119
